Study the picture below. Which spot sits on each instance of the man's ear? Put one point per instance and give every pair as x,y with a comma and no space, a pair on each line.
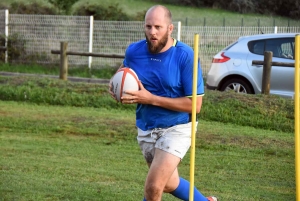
171,28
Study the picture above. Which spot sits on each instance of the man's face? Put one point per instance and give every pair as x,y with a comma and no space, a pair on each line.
157,31
155,45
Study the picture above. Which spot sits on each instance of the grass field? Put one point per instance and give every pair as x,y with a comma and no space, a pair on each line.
67,141
81,153
70,141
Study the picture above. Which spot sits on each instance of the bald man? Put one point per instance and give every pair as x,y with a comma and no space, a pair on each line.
164,104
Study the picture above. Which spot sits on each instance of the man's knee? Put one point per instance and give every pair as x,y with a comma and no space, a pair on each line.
153,191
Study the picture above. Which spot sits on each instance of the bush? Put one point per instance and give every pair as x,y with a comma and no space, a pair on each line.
110,13
15,47
259,111
64,6
288,8
181,2
295,14
242,6
20,7
266,7
140,16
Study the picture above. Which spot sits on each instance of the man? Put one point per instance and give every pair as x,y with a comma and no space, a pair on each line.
165,70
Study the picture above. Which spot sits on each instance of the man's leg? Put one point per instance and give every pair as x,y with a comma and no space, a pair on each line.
176,186
183,190
162,168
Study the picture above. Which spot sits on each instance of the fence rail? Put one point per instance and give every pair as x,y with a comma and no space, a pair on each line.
89,54
63,52
283,64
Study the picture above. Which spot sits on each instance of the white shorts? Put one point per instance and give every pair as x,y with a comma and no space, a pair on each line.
175,140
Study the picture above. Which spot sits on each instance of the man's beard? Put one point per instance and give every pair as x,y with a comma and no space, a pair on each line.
161,44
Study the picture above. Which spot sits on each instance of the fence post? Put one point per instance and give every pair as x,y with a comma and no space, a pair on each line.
6,35
63,61
179,31
91,39
265,89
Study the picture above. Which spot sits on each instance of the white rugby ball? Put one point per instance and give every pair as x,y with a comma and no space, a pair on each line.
124,79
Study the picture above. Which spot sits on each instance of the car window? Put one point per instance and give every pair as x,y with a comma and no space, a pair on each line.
257,47
288,48
281,48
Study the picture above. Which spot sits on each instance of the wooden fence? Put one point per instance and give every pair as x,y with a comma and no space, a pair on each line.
267,63
64,58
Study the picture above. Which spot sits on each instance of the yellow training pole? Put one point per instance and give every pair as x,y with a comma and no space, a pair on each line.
296,97
194,102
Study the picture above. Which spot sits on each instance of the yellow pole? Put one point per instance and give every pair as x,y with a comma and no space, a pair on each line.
194,102
296,98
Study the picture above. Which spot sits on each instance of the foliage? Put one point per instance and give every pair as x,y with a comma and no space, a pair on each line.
57,92
15,47
64,6
180,2
16,50
32,7
260,111
140,16
287,8
242,6
266,112
100,12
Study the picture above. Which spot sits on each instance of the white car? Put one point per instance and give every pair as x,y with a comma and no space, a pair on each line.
232,67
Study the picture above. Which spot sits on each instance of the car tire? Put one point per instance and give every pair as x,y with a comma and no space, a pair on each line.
237,85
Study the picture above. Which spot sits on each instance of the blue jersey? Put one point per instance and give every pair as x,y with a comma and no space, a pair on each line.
166,74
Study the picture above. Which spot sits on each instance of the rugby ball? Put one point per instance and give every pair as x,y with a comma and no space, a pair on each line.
123,80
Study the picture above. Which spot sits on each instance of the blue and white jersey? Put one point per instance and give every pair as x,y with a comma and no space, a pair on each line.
166,74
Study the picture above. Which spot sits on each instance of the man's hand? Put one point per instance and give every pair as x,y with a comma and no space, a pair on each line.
143,96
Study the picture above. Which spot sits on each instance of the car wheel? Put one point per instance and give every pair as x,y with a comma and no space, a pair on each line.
237,85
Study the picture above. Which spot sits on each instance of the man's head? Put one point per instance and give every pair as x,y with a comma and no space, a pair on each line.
158,28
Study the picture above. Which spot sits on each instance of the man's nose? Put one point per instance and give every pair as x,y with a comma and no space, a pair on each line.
152,31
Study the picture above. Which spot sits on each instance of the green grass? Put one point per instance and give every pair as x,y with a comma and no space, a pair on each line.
266,112
61,140
84,153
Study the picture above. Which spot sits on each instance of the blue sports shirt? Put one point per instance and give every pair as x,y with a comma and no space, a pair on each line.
166,74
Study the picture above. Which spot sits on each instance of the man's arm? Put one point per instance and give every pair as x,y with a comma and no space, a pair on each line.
143,96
